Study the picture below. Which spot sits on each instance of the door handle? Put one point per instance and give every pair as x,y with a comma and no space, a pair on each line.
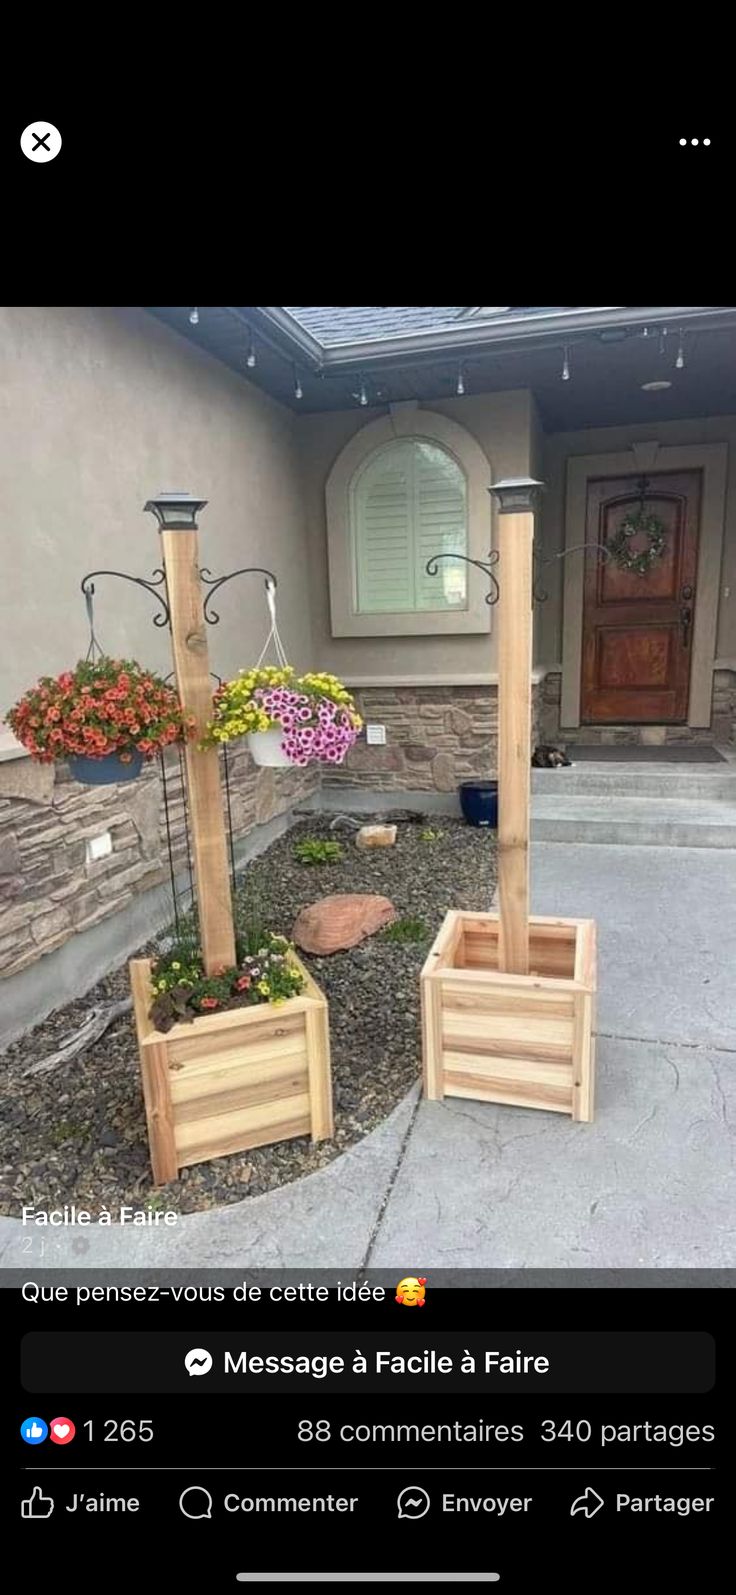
686,616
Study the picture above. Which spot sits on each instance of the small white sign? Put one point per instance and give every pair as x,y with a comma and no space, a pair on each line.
375,735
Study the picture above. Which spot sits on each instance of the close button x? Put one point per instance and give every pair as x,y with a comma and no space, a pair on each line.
41,142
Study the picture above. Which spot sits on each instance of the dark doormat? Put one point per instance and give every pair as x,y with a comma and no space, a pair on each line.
635,753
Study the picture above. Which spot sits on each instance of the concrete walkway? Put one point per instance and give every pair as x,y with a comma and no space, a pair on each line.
651,1183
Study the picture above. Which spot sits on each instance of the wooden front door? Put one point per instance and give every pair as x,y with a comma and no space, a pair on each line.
638,628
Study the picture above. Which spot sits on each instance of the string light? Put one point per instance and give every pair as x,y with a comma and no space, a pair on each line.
298,390
680,361
460,389
250,358
566,365
194,317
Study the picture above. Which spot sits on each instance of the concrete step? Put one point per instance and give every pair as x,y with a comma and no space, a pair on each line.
712,782
633,821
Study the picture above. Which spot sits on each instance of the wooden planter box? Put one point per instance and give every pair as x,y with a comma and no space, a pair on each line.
523,1040
233,1080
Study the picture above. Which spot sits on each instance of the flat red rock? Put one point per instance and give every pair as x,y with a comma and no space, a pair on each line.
341,921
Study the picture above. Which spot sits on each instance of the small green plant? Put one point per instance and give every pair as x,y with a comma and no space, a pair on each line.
428,835
314,851
405,930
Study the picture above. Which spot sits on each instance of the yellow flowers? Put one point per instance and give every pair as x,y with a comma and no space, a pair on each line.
264,988
239,708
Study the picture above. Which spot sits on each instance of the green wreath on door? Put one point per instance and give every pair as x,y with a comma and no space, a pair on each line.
633,525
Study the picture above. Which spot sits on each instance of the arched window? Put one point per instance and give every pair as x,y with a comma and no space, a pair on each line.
408,485
408,502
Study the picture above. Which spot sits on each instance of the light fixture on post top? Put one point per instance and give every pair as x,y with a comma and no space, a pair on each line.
176,512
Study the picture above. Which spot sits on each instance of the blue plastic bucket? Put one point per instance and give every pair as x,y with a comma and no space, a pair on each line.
479,802
106,771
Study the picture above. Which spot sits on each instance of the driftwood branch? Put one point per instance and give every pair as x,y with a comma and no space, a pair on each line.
97,1022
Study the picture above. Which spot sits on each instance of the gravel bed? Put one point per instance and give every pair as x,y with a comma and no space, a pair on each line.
79,1133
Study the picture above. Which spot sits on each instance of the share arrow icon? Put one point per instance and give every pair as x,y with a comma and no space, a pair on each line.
589,1503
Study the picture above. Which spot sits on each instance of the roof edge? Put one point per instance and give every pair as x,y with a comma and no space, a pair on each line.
463,335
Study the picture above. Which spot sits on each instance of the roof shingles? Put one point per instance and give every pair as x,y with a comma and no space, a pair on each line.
332,324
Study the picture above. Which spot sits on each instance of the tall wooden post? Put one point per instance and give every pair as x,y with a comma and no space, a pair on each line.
516,502
176,514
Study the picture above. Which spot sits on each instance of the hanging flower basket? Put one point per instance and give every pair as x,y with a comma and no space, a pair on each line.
266,748
288,719
107,717
114,768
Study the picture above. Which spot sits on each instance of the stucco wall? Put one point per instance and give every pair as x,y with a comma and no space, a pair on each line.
502,424
99,409
558,447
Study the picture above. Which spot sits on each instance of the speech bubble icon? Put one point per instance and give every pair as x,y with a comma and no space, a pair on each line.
198,1361
413,1502
195,1502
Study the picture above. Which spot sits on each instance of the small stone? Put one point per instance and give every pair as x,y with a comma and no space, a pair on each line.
111,1138
376,836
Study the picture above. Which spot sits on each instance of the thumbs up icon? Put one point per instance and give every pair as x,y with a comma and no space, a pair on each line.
37,1505
33,1430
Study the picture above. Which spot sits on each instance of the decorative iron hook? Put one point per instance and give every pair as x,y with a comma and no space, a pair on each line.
539,594
486,566
213,582
152,587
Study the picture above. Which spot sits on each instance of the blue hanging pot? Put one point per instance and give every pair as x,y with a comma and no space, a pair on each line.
106,771
479,802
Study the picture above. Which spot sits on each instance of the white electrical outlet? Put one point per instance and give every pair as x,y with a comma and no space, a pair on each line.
375,735
98,847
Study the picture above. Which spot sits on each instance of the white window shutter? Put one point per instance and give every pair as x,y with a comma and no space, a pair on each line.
409,504
440,527
383,535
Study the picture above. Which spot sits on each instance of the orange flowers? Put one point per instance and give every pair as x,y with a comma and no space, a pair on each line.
109,706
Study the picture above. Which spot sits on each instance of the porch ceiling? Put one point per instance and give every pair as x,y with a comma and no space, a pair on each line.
608,366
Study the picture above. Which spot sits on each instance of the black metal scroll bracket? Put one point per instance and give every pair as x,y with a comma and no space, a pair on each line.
163,619
213,582
484,565
539,596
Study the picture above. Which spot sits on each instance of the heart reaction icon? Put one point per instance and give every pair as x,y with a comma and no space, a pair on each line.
61,1431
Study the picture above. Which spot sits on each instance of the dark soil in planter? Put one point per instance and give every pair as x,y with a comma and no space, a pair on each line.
78,1134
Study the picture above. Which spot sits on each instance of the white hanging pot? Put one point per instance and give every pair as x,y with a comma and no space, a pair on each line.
265,748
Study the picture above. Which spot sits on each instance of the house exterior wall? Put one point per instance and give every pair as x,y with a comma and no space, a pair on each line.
100,409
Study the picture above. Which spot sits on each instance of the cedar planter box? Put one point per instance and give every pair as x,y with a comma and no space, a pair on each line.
233,1080
523,1040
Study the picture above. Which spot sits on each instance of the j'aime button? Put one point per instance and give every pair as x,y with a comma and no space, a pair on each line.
40,141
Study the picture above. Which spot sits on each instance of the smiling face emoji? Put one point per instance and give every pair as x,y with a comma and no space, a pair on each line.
410,1292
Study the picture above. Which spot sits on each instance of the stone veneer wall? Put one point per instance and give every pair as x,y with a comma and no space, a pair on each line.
48,891
722,727
436,737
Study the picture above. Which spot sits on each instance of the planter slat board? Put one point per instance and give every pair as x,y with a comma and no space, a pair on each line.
520,1040
232,1081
